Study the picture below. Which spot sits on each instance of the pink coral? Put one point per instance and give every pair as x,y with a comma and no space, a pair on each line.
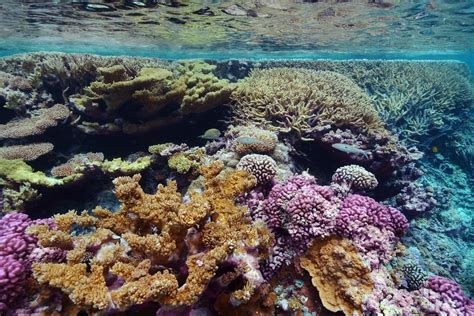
448,297
17,251
373,227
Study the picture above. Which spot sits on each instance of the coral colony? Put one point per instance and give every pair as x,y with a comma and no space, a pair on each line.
149,187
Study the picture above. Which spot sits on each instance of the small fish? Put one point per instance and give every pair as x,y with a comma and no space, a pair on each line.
246,140
434,149
211,134
350,149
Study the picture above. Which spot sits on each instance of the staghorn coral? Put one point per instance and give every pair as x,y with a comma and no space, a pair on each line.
339,273
291,99
25,152
37,124
142,245
262,167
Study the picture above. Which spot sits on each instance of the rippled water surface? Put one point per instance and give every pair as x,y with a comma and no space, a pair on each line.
218,28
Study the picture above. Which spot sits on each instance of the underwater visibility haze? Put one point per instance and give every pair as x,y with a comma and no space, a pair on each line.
254,157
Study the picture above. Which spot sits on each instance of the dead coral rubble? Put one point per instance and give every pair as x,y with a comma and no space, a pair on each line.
140,248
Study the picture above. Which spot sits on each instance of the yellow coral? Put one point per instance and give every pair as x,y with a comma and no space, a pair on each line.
339,273
20,172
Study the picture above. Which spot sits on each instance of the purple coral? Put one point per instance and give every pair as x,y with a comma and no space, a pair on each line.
448,297
416,199
374,227
17,252
297,211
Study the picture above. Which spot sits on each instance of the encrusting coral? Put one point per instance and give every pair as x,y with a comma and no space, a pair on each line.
339,273
140,248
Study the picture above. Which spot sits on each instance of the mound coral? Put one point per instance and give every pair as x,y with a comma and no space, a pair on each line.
339,273
302,100
251,140
261,167
141,247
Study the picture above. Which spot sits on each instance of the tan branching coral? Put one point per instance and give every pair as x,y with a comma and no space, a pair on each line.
25,152
339,273
302,100
143,242
40,121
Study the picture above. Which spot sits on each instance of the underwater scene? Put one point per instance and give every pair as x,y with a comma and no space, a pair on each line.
247,157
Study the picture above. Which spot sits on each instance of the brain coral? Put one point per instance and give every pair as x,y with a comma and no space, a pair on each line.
261,166
302,100
354,177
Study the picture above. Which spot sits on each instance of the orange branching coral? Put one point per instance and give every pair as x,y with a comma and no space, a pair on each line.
339,273
142,245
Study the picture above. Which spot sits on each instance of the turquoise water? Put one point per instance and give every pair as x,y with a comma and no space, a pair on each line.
311,157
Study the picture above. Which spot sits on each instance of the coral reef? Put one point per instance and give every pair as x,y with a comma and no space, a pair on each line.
323,187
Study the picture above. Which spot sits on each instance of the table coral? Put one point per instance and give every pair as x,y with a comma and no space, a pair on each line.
141,247
339,273
37,124
157,97
25,152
